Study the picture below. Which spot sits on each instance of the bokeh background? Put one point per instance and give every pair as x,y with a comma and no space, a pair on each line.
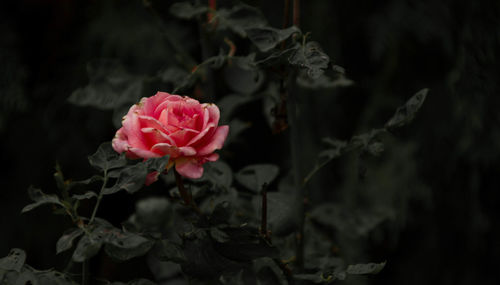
438,176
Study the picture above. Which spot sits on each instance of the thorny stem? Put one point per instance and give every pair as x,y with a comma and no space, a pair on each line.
99,198
185,194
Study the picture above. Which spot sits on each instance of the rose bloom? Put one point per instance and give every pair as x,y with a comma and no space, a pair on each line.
175,125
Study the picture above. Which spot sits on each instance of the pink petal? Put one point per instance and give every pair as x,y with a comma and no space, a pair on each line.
216,142
134,152
212,157
150,104
157,136
152,177
189,168
209,128
183,136
165,148
213,113
120,143
132,129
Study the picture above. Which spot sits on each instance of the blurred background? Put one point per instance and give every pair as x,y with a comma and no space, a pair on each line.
437,177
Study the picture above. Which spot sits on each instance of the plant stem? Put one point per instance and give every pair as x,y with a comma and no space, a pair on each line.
85,272
263,218
296,13
185,194
99,198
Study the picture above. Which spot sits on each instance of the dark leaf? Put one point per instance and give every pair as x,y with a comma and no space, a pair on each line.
369,268
255,176
40,198
350,222
203,261
281,212
106,158
88,246
240,18
266,38
312,58
86,195
323,81
124,245
14,261
245,244
53,278
88,181
166,250
110,86
157,163
185,10
221,213
218,173
131,179
407,112
236,127
65,242
243,81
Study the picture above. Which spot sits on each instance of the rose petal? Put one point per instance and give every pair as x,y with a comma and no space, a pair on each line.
132,129
157,136
134,152
152,177
173,151
216,142
210,128
189,168
150,104
213,113
212,157
120,143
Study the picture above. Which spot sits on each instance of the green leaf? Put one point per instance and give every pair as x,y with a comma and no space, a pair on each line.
218,173
281,214
40,198
311,58
255,176
110,87
152,214
166,250
88,246
52,277
407,112
350,222
131,179
185,10
157,163
124,245
14,261
236,126
65,242
106,158
266,38
88,181
86,195
240,18
203,260
244,244
369,268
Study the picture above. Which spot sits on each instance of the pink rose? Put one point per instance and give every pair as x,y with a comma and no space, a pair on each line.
171,124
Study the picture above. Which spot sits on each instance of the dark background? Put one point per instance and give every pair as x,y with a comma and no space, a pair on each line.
439,175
